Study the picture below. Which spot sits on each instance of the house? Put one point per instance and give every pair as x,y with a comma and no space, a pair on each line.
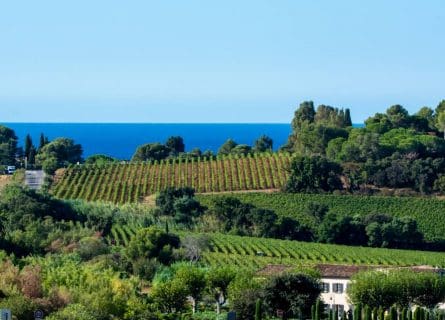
335,280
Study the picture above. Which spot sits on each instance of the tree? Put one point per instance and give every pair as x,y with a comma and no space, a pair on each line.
187,209
348,121
153,243
401,287
313,174
218,280
243,293
441,122
100,159
8,145
292,293
62,151
72,312
398,116
341,230
42,141
263,144
241,149
194,281
175,144
194,246
305,113
170,296
150,152
29,148
316,210
227,147
165,201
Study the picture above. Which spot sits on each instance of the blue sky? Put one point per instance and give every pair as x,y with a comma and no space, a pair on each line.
216,61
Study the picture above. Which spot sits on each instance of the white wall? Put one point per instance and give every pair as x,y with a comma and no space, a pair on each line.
332,298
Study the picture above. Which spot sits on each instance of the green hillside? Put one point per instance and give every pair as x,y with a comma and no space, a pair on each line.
429,212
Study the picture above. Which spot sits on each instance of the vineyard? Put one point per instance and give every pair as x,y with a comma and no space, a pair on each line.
131,182
428,212
253,253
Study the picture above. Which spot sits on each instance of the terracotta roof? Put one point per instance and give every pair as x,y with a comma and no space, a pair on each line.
339,271
274,269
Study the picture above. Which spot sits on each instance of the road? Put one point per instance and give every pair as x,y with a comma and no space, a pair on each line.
34,179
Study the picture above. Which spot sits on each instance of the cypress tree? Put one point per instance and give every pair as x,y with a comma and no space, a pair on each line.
318,310
32,156
28,145
258,311
381,314
42,141
358,312
343,315
336,314
331,314
348,121
417,314
410,314
367,312
393,313
375,313
404,314
313,312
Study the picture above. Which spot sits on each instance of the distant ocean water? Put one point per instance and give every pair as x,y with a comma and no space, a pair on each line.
121,140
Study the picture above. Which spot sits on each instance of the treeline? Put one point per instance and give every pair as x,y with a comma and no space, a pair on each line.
48,155
174,148
230,215
393,150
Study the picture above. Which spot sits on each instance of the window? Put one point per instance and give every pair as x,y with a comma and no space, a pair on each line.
324,287
337,287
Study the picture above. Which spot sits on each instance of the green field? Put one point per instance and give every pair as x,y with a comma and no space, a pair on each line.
253,253
428,212
132,182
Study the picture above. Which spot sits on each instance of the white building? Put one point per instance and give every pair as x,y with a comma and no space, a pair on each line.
335,280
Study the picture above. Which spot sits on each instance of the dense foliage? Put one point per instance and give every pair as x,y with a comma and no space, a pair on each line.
397,287
393,150
427,212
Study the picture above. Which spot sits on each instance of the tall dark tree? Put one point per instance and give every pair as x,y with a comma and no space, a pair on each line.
294,294
176,144
348,121
151,151
313,174
8,145
28,145
263,144
305,113
42,141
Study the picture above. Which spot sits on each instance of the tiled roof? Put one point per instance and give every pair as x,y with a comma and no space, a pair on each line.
339,271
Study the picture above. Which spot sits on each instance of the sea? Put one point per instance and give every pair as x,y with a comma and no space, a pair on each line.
120,140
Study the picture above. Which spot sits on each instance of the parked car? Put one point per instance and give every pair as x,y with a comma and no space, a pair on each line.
10,169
